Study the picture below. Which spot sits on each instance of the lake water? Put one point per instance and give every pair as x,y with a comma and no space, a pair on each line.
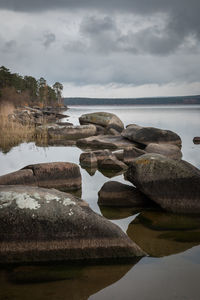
171,271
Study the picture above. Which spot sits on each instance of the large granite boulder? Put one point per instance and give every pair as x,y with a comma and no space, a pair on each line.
173,184
38,224
171,151
105,141
107,120
147,135
66,132
61,175
115,193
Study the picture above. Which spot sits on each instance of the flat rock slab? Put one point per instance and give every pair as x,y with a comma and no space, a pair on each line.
105,141
38,224
59,133
147,135
117,194
172,184
61,175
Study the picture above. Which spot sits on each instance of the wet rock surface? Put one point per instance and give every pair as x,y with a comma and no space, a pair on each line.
38,224
61,175
114,193
112,163
172,184
147,135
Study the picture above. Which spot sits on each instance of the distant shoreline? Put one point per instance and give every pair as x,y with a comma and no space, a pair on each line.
184,100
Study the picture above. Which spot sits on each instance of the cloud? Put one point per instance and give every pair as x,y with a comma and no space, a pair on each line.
49,38
99,43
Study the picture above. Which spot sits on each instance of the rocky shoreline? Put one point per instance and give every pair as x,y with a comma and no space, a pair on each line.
38,223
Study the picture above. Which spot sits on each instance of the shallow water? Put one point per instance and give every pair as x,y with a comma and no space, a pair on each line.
172,271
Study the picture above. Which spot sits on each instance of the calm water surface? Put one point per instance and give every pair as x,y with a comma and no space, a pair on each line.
173,269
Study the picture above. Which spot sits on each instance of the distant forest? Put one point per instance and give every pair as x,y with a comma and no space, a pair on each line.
133,101
26,90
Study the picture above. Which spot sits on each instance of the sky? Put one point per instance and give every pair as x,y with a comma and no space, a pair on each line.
105,48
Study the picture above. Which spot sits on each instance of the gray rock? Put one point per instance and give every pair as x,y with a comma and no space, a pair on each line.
173,184
147,135
104,119
61,175
114,193
38,225
171,151
131,154
105,141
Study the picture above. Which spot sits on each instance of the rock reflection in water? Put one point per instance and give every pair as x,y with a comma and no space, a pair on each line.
59,281
117,213
162,234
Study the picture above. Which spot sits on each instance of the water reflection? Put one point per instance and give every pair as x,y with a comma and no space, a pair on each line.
162,234
58,281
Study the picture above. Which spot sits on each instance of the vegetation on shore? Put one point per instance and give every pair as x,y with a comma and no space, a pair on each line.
26,90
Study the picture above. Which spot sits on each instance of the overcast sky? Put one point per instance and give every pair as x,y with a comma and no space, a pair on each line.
105,48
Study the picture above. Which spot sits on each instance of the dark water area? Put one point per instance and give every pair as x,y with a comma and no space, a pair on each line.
172,269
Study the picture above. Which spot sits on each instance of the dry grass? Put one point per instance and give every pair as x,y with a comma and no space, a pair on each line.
13,133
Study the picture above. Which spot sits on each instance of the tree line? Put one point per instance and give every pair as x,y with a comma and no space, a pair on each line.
26,90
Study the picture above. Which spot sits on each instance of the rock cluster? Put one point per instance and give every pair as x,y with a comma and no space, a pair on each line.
36,116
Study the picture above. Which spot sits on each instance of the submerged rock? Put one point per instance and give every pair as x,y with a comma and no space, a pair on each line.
171,151
61,175
173,184
38,224
107,120
105,141
147,135
115,193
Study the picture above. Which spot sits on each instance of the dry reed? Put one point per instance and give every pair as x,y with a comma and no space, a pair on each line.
13,133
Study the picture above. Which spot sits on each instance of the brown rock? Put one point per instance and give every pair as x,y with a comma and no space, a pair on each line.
114,193
60,175
88,159
112,163
171,151
196,140
131,154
